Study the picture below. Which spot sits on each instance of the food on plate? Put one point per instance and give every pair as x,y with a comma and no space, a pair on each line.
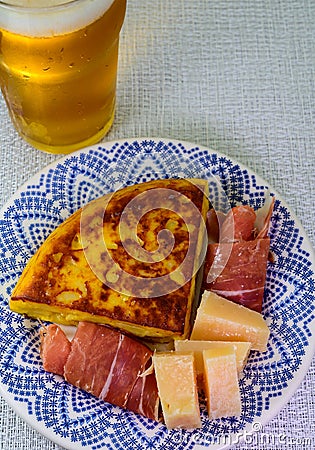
177,385
55,348
106,363
239,224
221,382
111,263
127,271
242,276
241,349
237,255
221,319
144,399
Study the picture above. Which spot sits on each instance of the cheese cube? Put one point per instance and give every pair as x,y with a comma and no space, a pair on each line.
241,351
177,386
223,320
221,382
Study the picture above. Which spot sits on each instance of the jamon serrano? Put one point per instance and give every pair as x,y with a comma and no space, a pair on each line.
55,349
240,258
142,398
106,363
238,224
243,278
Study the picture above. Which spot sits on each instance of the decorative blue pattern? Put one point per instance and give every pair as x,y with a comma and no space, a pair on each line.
77,420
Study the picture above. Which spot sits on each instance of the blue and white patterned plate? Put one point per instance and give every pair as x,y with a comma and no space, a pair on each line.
76,420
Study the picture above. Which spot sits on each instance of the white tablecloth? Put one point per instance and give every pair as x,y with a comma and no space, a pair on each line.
236,76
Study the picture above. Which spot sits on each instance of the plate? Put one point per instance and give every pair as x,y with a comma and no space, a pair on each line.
76,420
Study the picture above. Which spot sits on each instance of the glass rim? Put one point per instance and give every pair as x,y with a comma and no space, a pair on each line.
18,7
54,17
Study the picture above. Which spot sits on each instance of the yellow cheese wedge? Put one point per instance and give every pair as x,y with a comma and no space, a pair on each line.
221,382
223,320
177,386
241,349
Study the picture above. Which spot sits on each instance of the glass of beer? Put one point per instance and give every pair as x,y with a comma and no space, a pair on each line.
58,69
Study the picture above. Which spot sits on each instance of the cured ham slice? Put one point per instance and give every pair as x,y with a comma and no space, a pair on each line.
90,362
55,348
129,363
235,267
143,397
243,277
239,224
106,363
213,222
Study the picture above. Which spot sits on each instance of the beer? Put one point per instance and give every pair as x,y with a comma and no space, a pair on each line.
58,69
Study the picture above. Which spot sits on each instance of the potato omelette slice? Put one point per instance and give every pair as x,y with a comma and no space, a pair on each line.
130,259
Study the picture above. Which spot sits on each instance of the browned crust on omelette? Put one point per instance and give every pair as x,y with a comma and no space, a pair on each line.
59,285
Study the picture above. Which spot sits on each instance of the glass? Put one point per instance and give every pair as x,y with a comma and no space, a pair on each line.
58,69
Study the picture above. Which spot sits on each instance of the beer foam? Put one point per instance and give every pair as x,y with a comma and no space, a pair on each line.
31,18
